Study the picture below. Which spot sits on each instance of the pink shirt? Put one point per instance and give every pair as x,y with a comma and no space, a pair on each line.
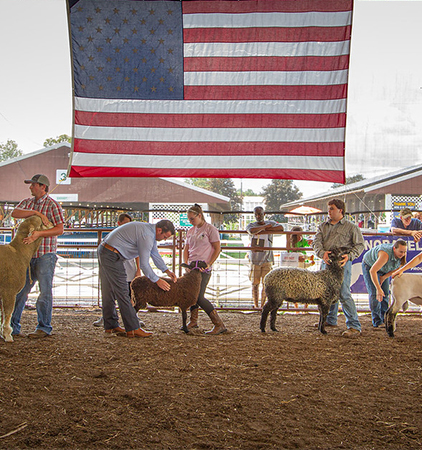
200,240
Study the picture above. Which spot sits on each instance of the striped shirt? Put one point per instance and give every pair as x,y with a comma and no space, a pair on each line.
54,212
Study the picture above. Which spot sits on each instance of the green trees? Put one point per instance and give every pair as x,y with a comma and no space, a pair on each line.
9,150
222,186
57,140
349,180
278,192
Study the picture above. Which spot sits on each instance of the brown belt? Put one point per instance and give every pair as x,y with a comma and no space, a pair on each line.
112,249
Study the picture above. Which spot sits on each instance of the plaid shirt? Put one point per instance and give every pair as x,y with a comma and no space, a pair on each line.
50,208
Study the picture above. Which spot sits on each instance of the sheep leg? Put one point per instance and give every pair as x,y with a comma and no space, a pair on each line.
390,317
184,320
264,315
8,305
274,318
323,313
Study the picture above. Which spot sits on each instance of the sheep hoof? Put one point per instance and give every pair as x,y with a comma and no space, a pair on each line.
323,331
262,330
185,329
390,331
274,329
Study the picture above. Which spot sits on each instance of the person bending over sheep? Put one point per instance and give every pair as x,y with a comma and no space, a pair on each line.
339,232
43,263
202,244
127,242
377,266
131,266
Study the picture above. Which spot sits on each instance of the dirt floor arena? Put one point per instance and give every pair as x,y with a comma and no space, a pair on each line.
243,390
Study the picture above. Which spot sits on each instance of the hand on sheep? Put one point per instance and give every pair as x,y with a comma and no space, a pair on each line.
31,238
326,257
44,219
163,284
344,260
171,275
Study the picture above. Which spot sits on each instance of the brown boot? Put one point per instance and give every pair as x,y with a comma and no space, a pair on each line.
218,324
255,296
138,333
193,321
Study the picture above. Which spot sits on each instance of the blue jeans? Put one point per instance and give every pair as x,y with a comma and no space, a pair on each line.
347,302
378,309
42,270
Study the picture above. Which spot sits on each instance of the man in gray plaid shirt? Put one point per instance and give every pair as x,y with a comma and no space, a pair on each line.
339,232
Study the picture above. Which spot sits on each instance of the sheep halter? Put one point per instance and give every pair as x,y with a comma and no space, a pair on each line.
199,268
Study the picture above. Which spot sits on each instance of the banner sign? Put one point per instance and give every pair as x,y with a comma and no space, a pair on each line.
413,249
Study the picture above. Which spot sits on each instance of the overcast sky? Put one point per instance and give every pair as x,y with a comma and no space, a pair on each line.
384,125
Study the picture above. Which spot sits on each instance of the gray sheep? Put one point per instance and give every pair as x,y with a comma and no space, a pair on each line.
183,294
14,262
320,288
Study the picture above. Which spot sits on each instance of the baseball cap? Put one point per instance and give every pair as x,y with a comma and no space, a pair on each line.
39,178
405,213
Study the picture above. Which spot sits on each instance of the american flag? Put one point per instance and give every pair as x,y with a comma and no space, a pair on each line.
217,89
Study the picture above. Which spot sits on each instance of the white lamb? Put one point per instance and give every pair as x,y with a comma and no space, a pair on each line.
407,287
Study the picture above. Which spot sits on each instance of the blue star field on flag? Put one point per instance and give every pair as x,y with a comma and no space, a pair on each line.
128,50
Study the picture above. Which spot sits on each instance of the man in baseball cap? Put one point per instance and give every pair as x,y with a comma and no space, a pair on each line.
43,262
40,179
405,225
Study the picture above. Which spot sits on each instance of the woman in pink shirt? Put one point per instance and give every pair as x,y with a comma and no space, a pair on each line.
203,244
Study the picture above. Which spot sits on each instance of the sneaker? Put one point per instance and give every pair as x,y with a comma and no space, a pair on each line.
351,333
38,334
99,323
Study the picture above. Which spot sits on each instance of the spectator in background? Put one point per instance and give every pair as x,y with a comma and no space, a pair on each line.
334,233
377,266
131,265
261,260
298,241
417,215
406,225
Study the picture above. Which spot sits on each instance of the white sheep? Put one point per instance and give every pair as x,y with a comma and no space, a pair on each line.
183,294
407,287
14,262
320,288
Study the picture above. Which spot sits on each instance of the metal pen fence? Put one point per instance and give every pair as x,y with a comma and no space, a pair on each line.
76,281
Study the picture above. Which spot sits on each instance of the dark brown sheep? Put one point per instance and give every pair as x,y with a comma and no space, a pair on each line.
183,294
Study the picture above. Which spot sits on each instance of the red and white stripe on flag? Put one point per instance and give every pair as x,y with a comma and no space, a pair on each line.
264,89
